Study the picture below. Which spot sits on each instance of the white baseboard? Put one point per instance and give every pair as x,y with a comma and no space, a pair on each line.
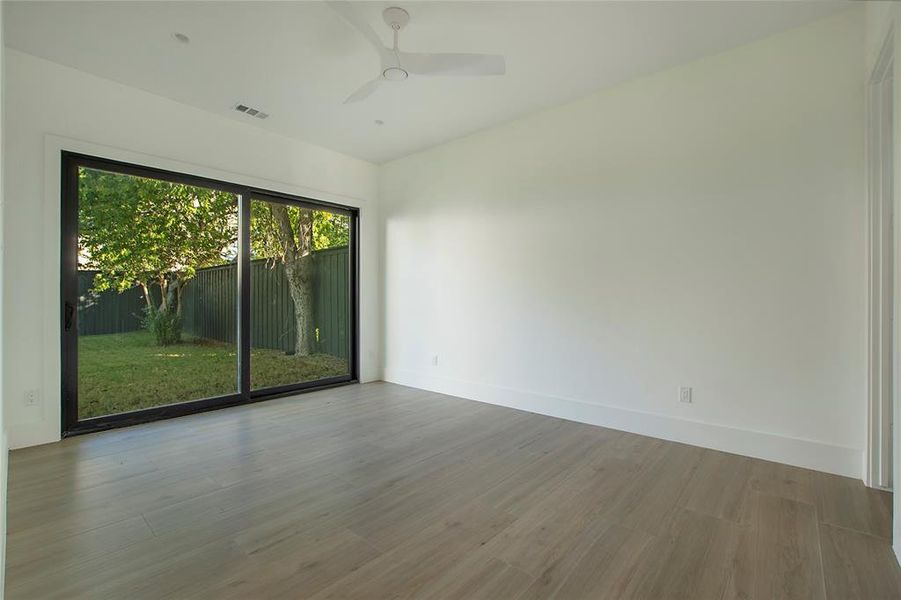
36,433
797,452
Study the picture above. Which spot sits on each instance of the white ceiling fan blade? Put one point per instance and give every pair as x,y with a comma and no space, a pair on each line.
464,65
352,17
365,91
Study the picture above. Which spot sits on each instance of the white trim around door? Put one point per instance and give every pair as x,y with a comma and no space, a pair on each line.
881,273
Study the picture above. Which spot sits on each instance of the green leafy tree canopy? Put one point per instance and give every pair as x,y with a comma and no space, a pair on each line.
137,231
268,240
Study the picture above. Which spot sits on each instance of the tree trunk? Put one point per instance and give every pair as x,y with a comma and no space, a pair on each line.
298,273
298,259
173,296
147,295
164,294
179,289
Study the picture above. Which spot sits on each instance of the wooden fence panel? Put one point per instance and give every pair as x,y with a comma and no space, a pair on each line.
331,305
107,312
210,305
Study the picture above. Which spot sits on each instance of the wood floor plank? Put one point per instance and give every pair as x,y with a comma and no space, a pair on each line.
295,564
603,570
693,559
408,570
787,557
540,478
76,514
849,503
31,559
553,532
858,565
651,503
784,481
720,486
477,576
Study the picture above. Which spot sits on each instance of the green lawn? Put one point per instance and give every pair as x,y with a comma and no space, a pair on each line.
128,371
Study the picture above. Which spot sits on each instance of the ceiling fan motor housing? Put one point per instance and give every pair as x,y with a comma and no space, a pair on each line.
396,18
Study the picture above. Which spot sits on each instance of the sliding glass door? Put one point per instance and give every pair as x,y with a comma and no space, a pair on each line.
182,294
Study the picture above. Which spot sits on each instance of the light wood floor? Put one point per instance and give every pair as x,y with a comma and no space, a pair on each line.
380,491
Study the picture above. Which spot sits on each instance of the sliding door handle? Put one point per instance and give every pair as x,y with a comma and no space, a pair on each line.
70,315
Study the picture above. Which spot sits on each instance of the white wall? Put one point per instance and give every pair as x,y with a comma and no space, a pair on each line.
50,107
704,226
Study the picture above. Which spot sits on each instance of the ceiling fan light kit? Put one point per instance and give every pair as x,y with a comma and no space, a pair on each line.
398,65
395,74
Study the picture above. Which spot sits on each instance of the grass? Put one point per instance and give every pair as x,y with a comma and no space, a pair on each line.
128,371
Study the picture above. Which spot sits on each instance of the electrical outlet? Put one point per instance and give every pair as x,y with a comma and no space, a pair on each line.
435,360
31,397
685,395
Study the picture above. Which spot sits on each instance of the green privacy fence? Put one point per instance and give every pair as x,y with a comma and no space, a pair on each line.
210,305
107,312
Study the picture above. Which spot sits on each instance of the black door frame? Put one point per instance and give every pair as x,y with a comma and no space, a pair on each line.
71,425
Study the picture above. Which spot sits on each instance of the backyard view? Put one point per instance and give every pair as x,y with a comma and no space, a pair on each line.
158,293
129,371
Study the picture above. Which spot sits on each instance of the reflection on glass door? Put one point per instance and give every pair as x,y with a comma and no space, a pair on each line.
157,290
300,282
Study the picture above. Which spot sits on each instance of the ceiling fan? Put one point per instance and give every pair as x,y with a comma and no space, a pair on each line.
398,65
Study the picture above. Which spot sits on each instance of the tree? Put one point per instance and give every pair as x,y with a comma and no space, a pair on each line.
289,234
330,230
143,232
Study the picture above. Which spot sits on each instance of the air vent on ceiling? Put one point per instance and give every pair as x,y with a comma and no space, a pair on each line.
253,112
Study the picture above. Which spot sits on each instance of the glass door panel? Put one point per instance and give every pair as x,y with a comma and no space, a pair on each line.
300,291
157,293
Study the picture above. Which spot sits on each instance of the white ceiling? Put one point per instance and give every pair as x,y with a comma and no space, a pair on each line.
299,60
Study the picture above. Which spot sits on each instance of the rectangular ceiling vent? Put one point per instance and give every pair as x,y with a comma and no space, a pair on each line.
253,112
